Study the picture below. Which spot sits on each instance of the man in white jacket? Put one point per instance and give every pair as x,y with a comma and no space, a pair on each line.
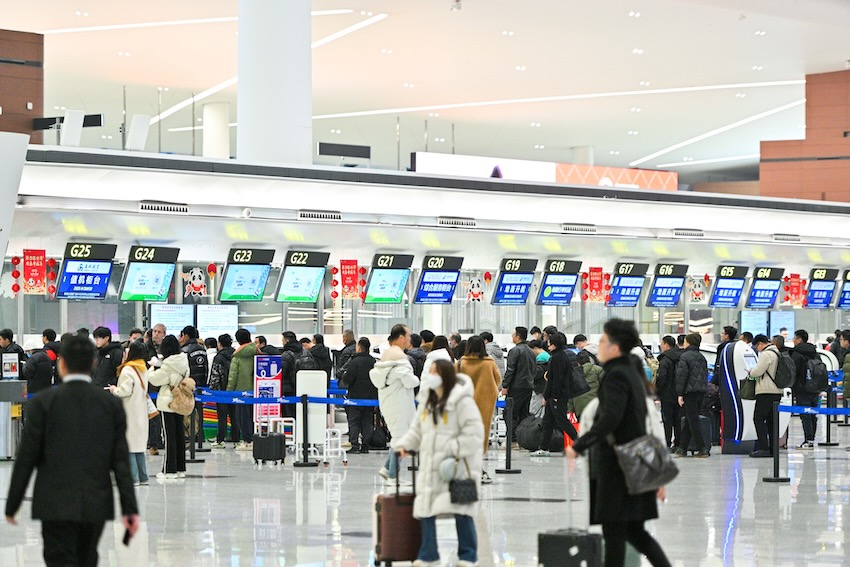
394,378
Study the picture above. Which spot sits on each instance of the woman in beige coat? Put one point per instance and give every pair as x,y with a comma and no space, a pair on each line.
482,369
132,388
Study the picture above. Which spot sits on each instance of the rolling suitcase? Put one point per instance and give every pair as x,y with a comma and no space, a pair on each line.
397,535
269,446
705,427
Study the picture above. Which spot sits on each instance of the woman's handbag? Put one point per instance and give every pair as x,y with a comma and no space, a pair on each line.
183,402
152,411
463,491
647,464
747,389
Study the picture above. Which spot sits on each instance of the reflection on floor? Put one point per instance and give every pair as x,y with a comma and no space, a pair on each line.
227,512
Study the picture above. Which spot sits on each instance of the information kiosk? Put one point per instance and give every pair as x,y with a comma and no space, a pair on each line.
149,273
302,277
438,281
627,284
388,278
559,282
514,284
246,274
86,269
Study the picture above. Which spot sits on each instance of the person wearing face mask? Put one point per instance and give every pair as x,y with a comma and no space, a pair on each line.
448,434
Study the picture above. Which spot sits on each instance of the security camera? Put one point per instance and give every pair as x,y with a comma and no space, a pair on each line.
246,213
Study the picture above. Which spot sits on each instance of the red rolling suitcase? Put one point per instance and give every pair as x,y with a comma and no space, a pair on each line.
397,535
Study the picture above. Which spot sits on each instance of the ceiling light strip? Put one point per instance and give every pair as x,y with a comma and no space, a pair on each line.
712,160
350,29
717,131
561,98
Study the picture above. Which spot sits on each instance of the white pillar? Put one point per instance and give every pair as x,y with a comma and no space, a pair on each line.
274,100
216,140
13,154
582,155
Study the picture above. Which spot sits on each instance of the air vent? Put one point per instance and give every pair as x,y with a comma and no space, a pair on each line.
786,238
458,222
319,216
163,208
579,228
688,233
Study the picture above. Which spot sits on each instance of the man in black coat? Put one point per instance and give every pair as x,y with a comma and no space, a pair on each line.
40,369
360,387
801,355
347,351
322,355
110,355
558,392
665,388
519,375
73,488
691,385
199,364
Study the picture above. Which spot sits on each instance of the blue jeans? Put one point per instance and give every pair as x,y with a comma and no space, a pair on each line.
467,539
391,464
138,467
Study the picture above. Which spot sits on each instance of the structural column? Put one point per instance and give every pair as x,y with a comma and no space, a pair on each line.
216,142
274,96
13,154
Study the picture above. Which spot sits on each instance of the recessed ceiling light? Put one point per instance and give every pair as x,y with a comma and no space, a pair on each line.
687,158
633,132
539,147
408,85
740,95
62,108
507,33
123,54
439,139
433,114
637,51
535,124
82,14
200,119
365,13
634,109
645,83
336,131
761,33
633,14
614,153
163,89
757,68
387,51
520,68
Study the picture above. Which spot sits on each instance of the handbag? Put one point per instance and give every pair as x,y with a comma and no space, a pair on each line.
152,411
747,389
647,464
183,397
463,490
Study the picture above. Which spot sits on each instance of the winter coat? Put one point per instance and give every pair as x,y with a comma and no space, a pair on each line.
133,390
241,375
665,379
360,387
345,355
765,370
519,371
269,350
323,359
622,413
801,355
417,357
459,434
199,369
593,374
498,356
559,385
40,369
292,351
172,371
220,369
109,358
439,354
394,378
486,380
691,372
211,352
846,366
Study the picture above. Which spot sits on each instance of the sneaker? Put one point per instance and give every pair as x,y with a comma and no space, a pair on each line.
402,483
217,445
364,450
353,449
761,454
466,564
540,453
423,563
166,476
485,478
702,454
137,484
384,473
245,447
144,483
679,453
806,445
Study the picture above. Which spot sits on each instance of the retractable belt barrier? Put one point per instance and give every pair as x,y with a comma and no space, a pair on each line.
814,411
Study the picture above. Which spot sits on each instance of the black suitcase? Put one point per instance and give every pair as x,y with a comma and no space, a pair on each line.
568,548
705,427
269,446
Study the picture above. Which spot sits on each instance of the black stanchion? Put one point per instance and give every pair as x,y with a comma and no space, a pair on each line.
831,402
846,422
199,408
775,448
305,458
192,434
509,423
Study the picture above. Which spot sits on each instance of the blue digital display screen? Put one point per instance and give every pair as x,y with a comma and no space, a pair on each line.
666,291
727,292
625,291
513,288
557,289
84,279
436,287
820,294
844,298
763,294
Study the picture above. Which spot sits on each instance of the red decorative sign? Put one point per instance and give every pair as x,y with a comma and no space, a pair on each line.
795,291
35,272
348,275
595,286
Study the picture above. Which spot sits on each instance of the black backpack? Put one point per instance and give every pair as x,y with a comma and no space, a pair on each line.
817,378
540,377
305,361
786,371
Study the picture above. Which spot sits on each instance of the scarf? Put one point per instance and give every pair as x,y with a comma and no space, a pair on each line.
138,365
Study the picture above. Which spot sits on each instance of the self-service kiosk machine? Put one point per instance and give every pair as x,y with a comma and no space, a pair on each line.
739,432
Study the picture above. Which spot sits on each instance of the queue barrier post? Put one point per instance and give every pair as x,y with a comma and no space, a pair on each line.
775,448
305,449
831,402
509,423
192,434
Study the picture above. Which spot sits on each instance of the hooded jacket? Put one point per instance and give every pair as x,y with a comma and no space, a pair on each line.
292,351
241,375
360,387
172,371
40,369
323,359
417,358
394,378
457,434
764,371
665,379
691,372
220,368
109,358
498,356
439,354
801,355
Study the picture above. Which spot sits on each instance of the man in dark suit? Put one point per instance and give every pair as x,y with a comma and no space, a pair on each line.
74,435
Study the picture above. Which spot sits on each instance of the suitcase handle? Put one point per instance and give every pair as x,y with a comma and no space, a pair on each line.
412,470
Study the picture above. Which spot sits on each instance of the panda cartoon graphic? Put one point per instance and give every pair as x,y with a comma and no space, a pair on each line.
474,290
196,284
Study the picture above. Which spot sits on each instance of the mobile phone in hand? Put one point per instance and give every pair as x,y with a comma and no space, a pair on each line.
127,537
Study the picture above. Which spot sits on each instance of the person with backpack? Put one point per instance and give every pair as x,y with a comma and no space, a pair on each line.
345,354
40,369
592,375
219,372
293,359
322,355
558,392
767,393
199,371
810,371
360,387
416,355
665,389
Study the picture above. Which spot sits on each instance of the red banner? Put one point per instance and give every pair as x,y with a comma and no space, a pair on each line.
794,290
34,272
595,286
348,277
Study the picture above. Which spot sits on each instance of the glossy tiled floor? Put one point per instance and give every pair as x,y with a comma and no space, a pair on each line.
229,513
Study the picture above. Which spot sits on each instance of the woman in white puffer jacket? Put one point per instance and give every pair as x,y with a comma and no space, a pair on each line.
447,426
173,369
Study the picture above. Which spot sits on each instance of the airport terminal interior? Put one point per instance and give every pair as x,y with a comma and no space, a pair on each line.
335,168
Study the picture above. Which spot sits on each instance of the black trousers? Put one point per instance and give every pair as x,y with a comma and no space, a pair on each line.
763,419
175,442
245,417
692,428
68,544
555,417
155,440
671,415
616,535
359,422
522,398
225,411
